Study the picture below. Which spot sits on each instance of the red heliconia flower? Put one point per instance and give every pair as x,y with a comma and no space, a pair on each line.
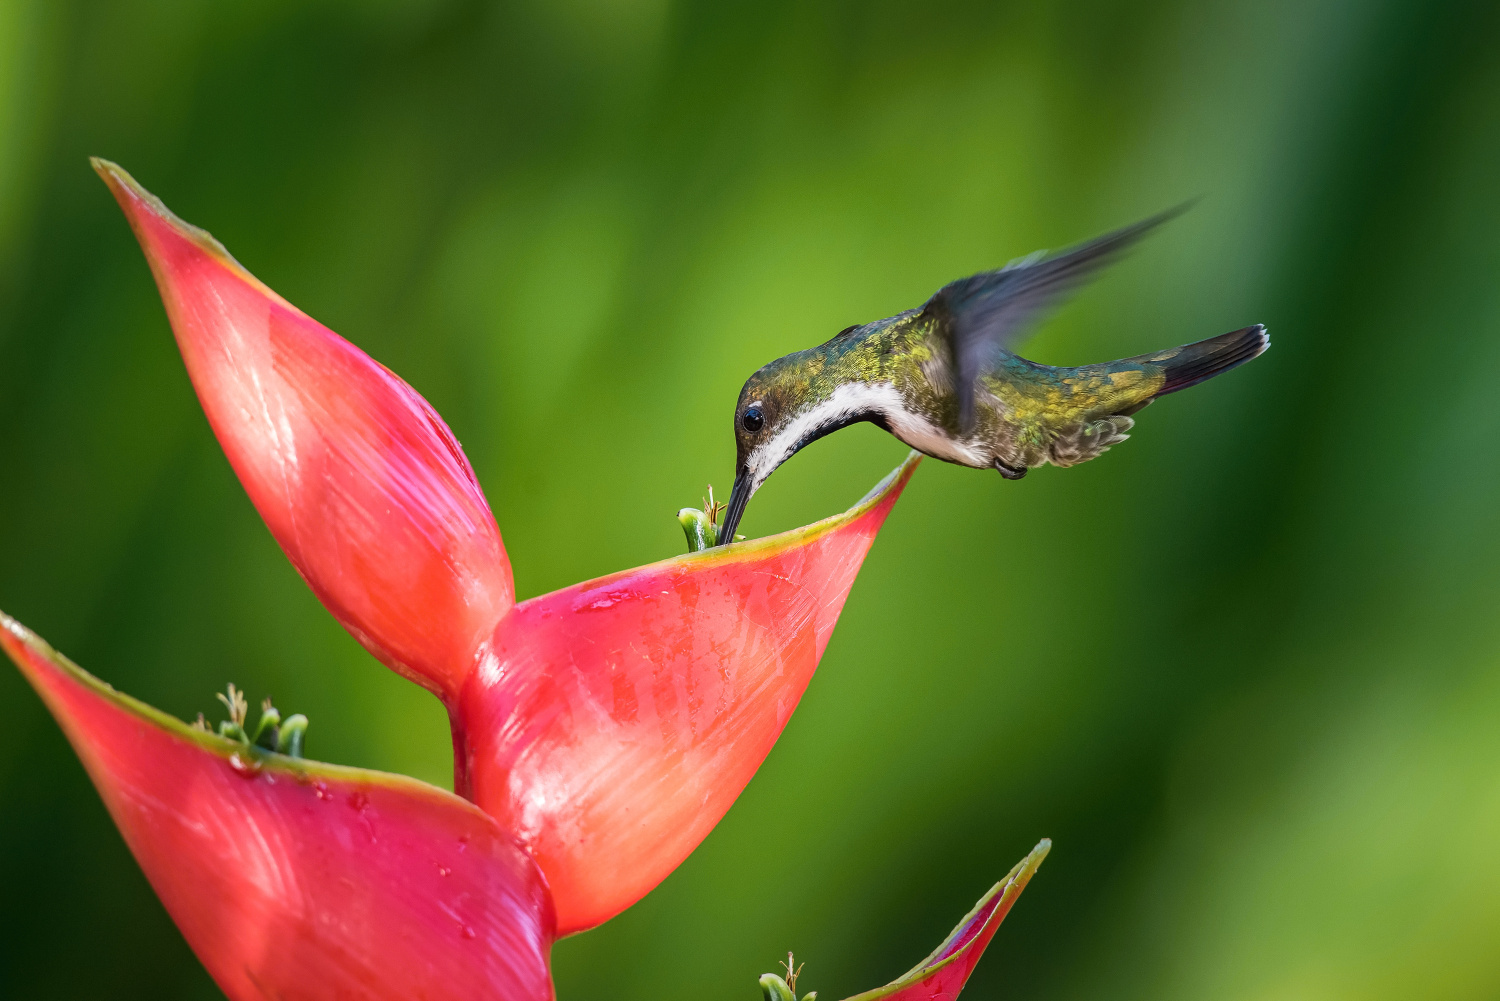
298,881
609,725
600,731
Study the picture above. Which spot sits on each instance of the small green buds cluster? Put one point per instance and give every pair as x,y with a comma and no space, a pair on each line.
701,527
776,988
272,733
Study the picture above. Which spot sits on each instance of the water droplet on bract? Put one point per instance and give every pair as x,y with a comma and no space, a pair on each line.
320,789
358,801
444,871
246,768
467,932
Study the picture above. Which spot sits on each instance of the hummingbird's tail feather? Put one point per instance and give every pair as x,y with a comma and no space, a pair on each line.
1193,363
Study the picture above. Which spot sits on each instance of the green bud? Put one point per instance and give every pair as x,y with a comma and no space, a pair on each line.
701,533
289,737
271,733
265,730
775,989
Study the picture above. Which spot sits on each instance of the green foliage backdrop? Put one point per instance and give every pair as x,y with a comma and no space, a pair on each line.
1245,669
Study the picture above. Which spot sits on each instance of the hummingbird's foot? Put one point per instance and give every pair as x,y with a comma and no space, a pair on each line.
1010,472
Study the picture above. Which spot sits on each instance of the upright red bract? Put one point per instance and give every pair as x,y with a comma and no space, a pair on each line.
612,723
359,480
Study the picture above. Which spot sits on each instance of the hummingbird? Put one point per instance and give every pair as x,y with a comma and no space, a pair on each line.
943,379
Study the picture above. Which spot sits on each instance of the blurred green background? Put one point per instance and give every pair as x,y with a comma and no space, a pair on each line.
1245,669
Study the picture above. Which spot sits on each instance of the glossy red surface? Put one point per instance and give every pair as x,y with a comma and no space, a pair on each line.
611,724
359,480
296,880
942,975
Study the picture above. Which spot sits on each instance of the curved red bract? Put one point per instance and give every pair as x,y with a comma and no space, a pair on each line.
611,724
296,880
942,975
359,480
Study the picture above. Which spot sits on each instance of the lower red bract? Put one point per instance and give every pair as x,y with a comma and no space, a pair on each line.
296,880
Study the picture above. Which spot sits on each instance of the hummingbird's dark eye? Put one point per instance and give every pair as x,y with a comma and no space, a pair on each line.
753,420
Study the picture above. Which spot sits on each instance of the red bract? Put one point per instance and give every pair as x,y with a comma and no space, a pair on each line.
943,974
610,725
297,880
359,480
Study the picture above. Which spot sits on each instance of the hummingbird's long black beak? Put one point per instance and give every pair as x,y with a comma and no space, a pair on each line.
739,497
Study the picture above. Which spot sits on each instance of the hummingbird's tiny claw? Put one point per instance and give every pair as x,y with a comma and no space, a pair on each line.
1010,472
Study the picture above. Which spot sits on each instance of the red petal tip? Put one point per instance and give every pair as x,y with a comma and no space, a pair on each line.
878,502
942,975
138,202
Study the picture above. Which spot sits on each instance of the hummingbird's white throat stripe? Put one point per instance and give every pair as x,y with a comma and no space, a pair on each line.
858,398
848,400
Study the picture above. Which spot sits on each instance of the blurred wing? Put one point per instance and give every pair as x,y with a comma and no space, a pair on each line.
990,310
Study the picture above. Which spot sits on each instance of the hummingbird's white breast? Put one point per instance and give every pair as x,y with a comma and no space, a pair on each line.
929,439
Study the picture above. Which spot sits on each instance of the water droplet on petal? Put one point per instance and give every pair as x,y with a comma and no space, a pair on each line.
244,767
467,932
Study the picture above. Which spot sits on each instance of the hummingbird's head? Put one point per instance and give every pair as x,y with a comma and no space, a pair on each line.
761,417
759,424
782,408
